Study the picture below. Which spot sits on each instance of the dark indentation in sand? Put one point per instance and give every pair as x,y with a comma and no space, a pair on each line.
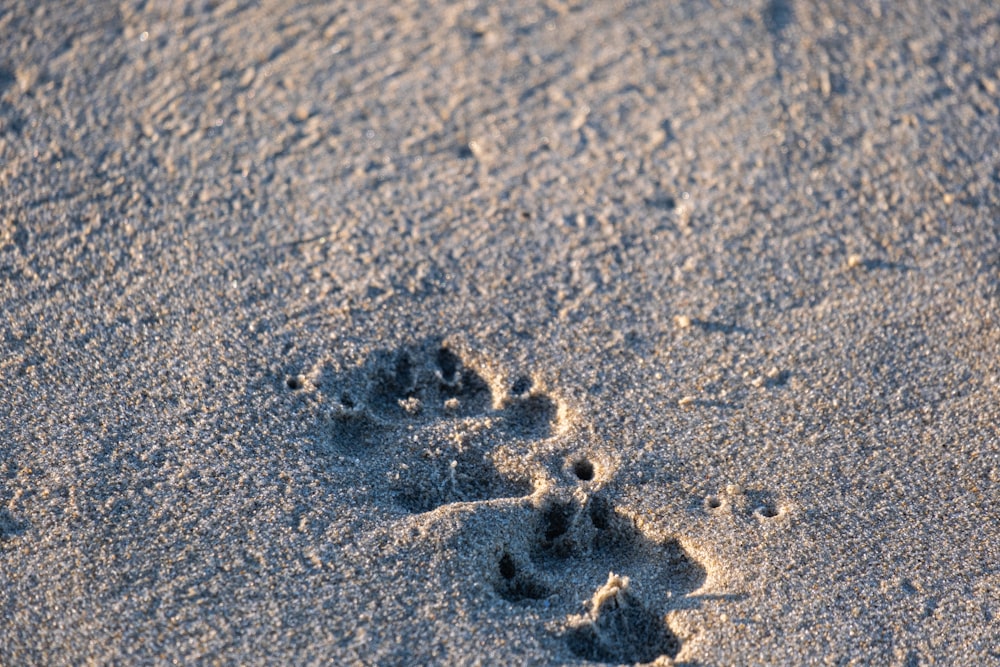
765,505
429,417
616,533
517,583
556,522
620,628
579,540
603,533
394,382
448,365
534,416
521,386
404,379
584,470
767,511
601,513
472,392
294,383
451,477
425,384
507,569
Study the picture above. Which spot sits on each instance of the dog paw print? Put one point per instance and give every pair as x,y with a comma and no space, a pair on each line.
435,420
436,424
618,627
580,540
411,387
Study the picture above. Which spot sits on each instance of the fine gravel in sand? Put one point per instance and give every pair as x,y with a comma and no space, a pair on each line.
562,332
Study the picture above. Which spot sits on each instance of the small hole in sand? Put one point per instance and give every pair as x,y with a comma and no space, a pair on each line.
584,470
713,502
766,511
294,383
507,568
448,363
521,386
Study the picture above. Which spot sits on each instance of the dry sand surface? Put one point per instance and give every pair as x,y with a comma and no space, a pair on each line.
551,332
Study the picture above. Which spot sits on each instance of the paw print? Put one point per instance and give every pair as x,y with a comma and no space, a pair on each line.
581,539
436,420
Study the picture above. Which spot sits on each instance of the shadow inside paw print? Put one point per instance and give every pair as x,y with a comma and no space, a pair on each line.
443,476
434,419
619,628
517,581
579,542
409,386
533,416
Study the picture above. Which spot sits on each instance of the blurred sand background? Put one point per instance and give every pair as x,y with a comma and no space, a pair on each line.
500,333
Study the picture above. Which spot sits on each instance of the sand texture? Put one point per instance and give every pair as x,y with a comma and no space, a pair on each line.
536,333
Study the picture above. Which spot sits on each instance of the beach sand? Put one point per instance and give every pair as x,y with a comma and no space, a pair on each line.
553,332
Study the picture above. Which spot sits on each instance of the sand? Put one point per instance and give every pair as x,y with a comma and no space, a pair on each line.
542,333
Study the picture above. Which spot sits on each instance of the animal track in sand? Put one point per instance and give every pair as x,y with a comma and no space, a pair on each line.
580,541
436,420
618,627
737,501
